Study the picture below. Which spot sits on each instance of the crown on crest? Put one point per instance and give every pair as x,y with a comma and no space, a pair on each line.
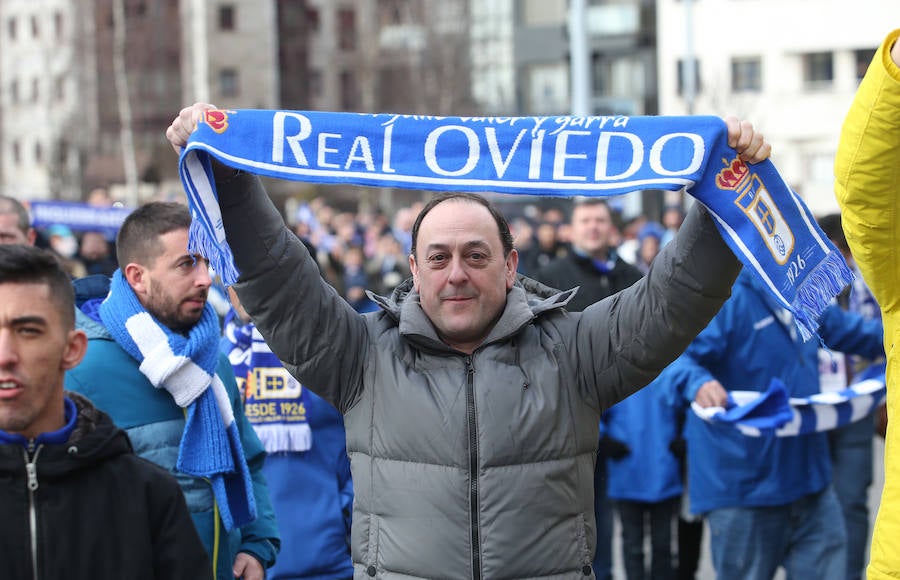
733,175
217,119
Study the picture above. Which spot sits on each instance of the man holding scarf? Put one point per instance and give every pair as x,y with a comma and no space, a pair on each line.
153,364
472,399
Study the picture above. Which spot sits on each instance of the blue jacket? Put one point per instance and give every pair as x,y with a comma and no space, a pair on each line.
313,496
744,347
648,423
111,379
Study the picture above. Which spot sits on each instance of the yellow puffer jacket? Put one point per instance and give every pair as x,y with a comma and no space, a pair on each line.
867,171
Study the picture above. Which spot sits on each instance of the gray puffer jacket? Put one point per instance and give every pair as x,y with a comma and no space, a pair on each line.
472,466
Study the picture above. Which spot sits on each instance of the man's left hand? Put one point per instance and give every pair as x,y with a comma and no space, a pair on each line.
248,568
749,143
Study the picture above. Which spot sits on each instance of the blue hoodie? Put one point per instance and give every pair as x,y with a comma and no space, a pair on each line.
648,423
744,347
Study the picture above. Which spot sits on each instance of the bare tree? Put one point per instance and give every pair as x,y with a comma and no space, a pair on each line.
126,132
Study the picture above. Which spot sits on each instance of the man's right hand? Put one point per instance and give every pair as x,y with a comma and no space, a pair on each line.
711,394
184,124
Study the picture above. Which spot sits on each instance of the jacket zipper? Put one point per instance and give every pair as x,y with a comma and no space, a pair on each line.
31,473
473,469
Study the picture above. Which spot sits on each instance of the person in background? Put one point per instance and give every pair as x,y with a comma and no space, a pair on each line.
154,365
307,468
649,243
96,255
851,445
549,247
672,218
15,222
389,266
77,502
526,243
768,500
355,280
867,182
644,483
628,238
63,242
593,265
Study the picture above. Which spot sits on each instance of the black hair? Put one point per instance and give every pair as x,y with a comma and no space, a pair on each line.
138,239
506,239
24,264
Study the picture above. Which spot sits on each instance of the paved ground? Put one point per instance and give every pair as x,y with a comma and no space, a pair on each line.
706,571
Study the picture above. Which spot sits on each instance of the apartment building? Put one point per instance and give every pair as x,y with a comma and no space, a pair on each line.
789,66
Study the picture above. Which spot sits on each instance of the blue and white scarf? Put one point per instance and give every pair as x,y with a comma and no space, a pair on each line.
275,403
772,412
186,368
765,223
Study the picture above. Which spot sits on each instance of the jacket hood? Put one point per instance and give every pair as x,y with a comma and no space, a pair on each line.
88,292
525,301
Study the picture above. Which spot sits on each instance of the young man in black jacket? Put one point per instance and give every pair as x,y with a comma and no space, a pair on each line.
77,502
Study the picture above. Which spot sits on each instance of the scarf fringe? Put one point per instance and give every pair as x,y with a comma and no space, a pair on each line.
818,290
219,255
278,438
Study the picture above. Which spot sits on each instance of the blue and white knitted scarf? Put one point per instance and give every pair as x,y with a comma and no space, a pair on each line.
767,225
772,412
275,403
186,368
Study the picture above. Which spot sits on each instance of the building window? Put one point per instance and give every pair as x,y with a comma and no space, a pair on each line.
347,29
35,29
11,27
312,19
226,17
228,82
862,58
682,78
540,13
16,152
62,153
818,70
38,153
59,88
547,89
35,89
348,91
314,83
58,25
746,74
14,91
